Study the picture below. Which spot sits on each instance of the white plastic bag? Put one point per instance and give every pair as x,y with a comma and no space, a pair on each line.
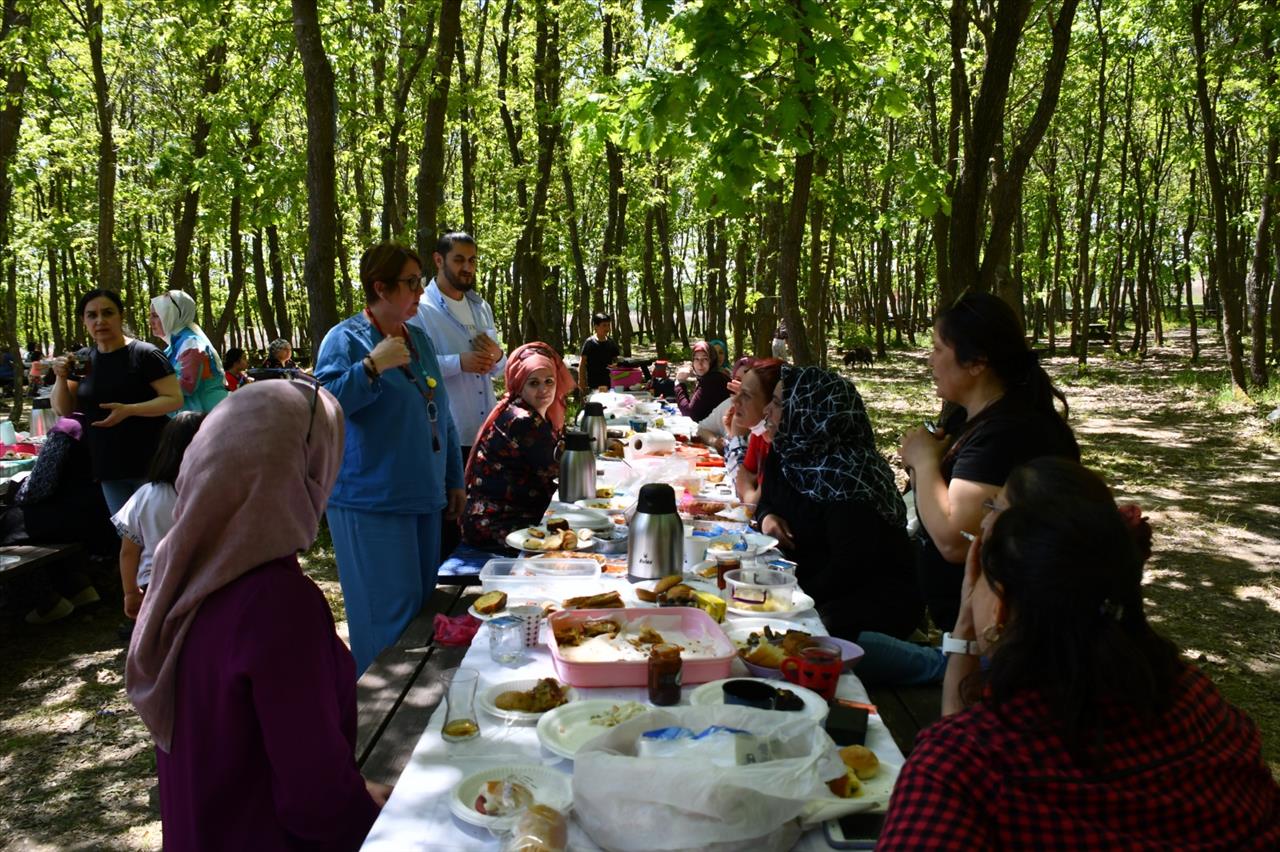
633,804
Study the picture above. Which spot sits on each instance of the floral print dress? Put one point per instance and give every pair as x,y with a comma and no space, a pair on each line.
512,476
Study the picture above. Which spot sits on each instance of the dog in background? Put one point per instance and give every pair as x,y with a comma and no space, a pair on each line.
858,355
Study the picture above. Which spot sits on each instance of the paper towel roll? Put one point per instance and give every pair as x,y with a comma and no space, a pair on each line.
654,443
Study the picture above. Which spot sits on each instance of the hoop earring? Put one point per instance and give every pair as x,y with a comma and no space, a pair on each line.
992,633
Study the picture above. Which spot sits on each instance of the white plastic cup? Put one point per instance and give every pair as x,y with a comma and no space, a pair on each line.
532,616
8,434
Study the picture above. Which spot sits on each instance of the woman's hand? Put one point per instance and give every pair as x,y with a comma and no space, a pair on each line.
456,501
378,792
391,352
132,604
921,448
777,526
61,367
964,628
120,412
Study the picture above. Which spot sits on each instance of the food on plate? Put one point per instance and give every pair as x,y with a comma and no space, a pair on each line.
860,763
766,655
572,635
618,713
570,554
612,568
861,760
503,798
540,829
704,509
600,627
787,700
585,536
662,587
555,524
648,636
537,533
769,648
604,491
491,602
712,605
605,600
720,544
615,450
569,540
546,695
544,541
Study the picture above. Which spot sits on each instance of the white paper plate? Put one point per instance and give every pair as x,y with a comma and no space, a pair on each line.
511,602
801,603
612,505
548,786
874,797
517,538
711,694
487,701
756,543
566,729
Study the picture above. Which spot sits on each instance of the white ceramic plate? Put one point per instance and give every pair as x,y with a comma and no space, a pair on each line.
566,729
579,518
548,786
487,701
756,543
517,539
710,694
615,504
511,602
801,603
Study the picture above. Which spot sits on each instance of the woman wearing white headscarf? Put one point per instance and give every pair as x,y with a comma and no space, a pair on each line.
199,369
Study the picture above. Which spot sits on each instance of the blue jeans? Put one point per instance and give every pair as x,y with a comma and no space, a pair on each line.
387,566
893,662
118,491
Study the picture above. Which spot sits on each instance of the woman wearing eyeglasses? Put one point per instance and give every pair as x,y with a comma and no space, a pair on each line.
512,471
199,369
1004,415
401,468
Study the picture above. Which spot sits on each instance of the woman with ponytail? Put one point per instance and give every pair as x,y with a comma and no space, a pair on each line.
1002,413
1086,729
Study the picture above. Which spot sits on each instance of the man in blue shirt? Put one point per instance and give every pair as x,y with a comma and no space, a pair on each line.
462,328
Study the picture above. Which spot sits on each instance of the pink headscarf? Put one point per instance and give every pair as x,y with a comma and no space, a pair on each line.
521,364
252,488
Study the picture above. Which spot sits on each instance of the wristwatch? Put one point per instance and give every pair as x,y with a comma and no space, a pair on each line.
951,645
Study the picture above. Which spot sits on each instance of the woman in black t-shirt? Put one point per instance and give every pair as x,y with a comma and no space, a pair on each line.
122,388
1005,416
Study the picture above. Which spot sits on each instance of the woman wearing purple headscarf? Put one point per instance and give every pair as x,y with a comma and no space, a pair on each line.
234,666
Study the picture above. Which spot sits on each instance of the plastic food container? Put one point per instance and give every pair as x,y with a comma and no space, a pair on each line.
540,577
692,622
762,588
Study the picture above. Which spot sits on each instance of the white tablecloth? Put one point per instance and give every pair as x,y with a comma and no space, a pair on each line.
417,815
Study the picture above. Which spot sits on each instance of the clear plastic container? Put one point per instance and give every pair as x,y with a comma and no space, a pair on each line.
763,589
550,578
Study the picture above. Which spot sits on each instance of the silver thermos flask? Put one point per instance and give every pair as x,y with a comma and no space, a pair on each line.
593,423
655,546
577,468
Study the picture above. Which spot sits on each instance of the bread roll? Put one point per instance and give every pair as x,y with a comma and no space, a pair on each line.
491,602
846,786
861,760
540,829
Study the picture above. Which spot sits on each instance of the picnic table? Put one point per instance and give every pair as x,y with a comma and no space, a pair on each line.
400,731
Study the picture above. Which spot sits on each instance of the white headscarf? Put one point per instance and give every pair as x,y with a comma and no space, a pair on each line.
177,311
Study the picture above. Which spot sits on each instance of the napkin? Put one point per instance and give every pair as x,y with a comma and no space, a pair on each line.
455,630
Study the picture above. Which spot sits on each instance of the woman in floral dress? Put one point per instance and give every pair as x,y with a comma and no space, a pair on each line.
512,471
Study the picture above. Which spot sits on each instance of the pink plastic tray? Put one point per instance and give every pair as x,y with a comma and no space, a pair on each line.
693,622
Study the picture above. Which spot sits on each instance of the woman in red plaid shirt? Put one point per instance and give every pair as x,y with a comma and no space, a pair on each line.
1087,730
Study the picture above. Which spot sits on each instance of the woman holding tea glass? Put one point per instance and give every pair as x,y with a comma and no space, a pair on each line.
712,384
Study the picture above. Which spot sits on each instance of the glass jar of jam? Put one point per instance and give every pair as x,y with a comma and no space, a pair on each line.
726,561
665,668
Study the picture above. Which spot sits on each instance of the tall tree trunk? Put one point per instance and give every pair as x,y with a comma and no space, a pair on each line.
13,67
1218,198
276,259
468,145
582,309
431,163
236,283
211,65
322,206
108,259
265,311
1259,274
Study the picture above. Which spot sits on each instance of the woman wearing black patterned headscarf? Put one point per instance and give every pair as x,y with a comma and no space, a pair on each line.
831,500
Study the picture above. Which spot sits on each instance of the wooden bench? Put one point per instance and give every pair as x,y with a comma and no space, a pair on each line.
906,710
33,556
397,694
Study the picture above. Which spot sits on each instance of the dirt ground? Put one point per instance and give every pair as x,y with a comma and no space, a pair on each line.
76,765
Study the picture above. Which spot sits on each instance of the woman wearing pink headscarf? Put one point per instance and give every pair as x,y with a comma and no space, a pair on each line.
234,665
512,471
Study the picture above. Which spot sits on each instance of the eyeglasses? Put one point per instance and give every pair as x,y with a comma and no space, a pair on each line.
415,283
990,506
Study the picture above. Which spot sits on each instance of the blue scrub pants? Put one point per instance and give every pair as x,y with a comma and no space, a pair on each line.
387,565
